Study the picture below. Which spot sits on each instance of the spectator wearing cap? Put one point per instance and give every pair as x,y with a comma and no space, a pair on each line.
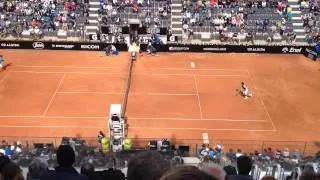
65,171
37,168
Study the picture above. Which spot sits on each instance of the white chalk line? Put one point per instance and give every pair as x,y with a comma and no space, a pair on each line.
66,127
117,67
54,94
202,129
137,74
57,117
262,102
198,97
131,93
197,119
72,67
138,118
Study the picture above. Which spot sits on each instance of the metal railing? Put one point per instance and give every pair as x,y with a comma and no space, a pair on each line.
306,148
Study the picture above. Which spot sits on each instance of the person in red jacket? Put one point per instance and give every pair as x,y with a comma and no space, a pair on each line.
135,8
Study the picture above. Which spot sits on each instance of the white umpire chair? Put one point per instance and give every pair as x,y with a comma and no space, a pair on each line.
116,128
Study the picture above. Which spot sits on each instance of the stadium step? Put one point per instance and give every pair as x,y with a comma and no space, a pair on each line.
176,13
176,1
92,18
91,31
301,37
295,5
93,21
94,9
176,5
295,1
297,24
296,12
299,30
300,33
93,15
297,18
94,3
301,40
92,27
176,18
176,25
176,10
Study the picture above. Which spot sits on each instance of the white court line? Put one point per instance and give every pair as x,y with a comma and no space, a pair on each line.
133,93
58,117
64,72
199,104
196,119
67,127
137,118
116,67
209,69
73,67
54,94
202,129
141,74
262,103
89,92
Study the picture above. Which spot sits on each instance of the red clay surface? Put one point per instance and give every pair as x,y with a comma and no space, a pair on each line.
68,93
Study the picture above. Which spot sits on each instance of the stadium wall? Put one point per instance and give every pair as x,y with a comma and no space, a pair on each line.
91,46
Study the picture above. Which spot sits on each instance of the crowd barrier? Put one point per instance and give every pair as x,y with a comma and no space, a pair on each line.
306,148
91,46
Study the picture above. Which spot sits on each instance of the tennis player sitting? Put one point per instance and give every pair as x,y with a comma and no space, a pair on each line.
1,63
244,91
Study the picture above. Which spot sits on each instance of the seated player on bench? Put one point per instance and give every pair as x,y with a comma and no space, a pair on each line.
244,91
151,49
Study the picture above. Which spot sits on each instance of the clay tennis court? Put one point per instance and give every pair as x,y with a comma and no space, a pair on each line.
68,93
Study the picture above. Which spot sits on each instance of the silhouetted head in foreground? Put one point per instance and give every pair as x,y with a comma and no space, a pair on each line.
65,156
244,165
149,165
186,173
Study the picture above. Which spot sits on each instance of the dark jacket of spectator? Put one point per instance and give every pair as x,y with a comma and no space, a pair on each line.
65,171
244,166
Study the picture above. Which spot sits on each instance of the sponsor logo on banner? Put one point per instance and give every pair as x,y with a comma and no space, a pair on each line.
94,37
311,52
260,49
291,50
172,38
179,48
64,46
38,45
10,45
214,49
90,46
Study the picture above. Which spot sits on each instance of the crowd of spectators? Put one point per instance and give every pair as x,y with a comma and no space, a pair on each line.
36,17
216,163
152,15
231,21
147,165
236,20
311,19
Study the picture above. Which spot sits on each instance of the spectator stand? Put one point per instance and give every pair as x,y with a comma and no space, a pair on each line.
41,19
